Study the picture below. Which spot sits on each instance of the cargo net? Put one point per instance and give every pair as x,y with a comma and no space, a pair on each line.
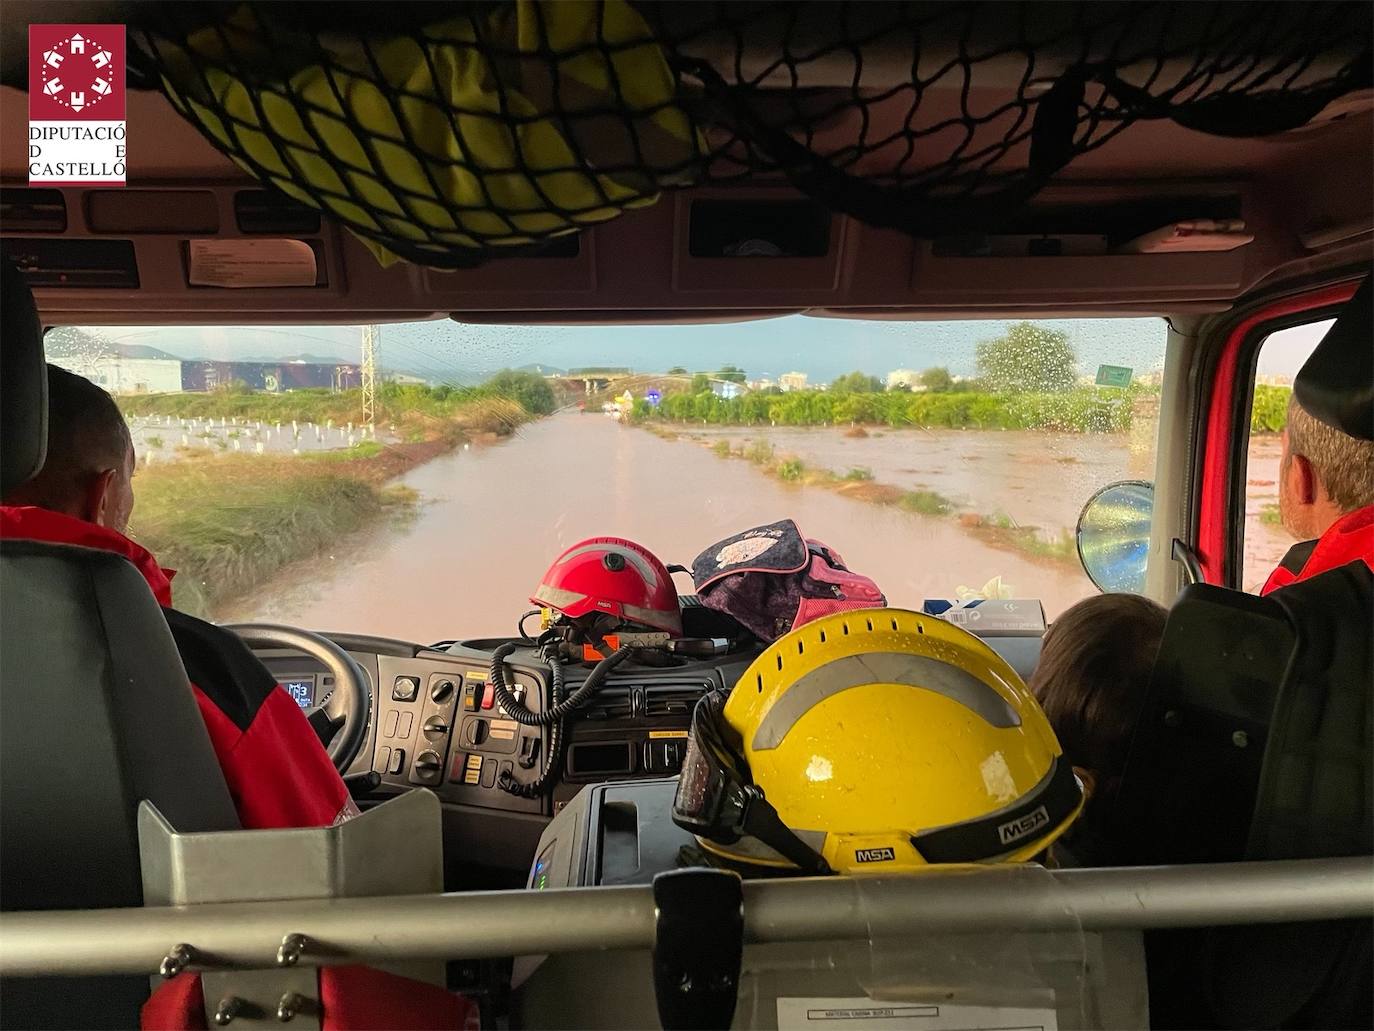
444,134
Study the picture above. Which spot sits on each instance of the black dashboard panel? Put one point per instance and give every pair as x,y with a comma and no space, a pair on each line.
435,724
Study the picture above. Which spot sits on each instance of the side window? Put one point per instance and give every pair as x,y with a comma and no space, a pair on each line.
1266,539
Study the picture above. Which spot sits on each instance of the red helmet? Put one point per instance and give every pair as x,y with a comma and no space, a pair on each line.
612,576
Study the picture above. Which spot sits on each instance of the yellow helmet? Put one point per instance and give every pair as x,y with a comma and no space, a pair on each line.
874,741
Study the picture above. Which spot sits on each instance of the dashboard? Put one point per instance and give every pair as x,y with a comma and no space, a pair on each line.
435,723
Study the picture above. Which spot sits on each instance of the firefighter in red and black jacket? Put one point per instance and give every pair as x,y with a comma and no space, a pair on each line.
1326,476
277,771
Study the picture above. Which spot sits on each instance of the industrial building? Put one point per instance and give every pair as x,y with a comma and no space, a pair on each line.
135,369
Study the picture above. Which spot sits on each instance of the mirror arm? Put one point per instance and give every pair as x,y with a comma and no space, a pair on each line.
1184,554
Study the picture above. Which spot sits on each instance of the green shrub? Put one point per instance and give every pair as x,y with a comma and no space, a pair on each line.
1269,411
925,502
760,452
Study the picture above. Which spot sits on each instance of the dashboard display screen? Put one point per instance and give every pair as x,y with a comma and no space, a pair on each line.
301,690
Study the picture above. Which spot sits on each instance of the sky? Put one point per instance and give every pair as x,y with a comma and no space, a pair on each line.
446,351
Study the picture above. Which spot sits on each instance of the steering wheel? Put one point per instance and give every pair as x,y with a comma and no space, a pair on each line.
346,709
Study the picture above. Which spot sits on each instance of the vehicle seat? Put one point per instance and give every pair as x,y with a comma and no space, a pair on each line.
1205,721
1256,743
96,714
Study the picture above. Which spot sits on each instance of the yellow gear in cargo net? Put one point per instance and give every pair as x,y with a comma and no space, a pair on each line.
871,742
505,127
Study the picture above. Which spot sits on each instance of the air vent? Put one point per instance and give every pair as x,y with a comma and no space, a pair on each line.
93,264
612,703
261,211
32,211
671,701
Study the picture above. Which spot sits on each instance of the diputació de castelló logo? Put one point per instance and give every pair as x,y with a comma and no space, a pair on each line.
77,128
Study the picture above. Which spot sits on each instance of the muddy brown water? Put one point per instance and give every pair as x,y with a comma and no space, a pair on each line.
492,519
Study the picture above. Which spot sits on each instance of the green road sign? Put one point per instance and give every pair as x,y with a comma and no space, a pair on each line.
1113,376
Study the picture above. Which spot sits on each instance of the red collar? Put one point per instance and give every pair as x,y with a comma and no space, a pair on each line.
1349,539
30,523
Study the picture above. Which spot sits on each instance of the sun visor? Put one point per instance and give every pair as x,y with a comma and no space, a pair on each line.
1336,384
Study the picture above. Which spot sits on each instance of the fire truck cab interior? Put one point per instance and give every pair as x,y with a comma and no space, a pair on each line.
782,172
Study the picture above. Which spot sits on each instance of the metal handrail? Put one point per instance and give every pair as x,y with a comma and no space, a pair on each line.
504,923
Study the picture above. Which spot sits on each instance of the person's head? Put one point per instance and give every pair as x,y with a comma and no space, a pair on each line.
1324,475
88,472
1094,670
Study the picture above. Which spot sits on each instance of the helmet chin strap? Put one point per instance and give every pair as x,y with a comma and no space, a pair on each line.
760,820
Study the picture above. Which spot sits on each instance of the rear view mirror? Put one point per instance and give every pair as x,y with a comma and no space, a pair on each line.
1114,535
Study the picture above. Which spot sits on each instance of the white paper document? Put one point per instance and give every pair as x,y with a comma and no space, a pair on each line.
863,1014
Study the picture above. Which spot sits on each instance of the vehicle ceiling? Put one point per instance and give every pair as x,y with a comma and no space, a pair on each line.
1307,195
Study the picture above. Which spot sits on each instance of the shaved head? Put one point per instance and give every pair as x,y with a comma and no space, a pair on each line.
90,461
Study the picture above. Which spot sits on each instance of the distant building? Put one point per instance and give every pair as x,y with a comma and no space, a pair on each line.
120,374
270,377
763,383
405,379
792,381
726,389
905,379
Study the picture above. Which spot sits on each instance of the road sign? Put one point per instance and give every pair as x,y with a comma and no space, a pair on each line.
653,397
1113,376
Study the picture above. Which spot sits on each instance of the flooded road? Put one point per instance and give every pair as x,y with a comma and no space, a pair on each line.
493,518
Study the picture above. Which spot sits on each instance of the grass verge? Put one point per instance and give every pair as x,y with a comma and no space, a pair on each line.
227,522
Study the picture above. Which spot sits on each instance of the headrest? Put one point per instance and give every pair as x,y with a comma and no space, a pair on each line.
1336,384
23,383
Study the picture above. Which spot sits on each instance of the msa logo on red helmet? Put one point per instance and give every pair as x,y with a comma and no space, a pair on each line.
1015,830
874,855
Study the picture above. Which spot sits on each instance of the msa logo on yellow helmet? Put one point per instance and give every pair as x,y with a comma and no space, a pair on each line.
1014,830
875,855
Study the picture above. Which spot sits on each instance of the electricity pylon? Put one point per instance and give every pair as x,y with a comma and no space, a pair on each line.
371,336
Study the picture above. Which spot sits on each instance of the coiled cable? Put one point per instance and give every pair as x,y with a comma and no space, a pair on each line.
553,760
516,710
553,718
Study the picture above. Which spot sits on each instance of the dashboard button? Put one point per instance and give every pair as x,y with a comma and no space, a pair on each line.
398,760
428,762
488,696
383,760
407,725
435,727
455,766
471,698
389,727
405,689
489,773
472,771
441,690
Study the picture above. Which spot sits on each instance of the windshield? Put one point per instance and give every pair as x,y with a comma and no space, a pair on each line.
944,460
